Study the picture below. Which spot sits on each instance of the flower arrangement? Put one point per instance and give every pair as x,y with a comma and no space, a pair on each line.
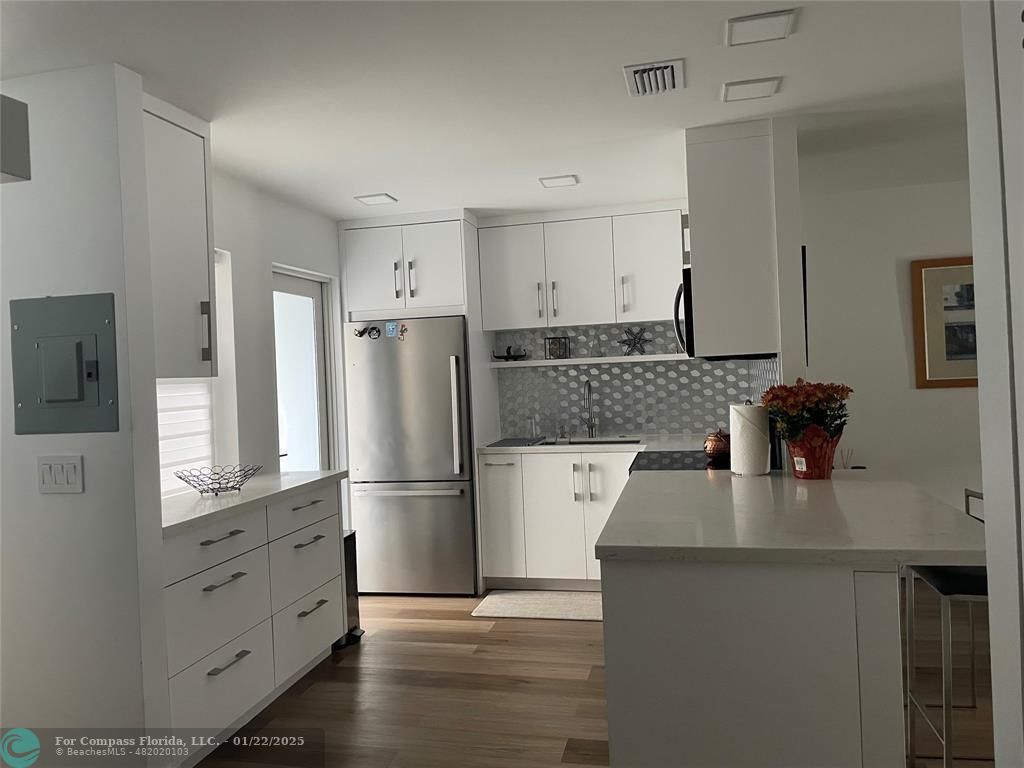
810,417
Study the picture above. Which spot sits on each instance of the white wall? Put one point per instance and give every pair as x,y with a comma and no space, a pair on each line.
872,202
82,616
260,230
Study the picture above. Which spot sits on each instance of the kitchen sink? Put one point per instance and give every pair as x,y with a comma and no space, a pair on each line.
595,441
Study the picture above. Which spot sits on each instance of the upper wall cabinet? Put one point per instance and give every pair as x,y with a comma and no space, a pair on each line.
733,240
648,264
578,255
413,266
512,278
583,271
181,242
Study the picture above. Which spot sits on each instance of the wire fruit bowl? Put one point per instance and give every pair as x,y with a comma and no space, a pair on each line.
218,479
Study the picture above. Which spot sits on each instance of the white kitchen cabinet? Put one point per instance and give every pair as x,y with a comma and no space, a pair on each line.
374,269
512,277
180,241
605,475
433,264
580,272
732,240
648,251
502,527
410,267
553,513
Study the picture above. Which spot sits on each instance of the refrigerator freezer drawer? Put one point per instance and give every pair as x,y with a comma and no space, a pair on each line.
415,537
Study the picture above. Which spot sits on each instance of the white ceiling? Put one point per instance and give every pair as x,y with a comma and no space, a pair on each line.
466,104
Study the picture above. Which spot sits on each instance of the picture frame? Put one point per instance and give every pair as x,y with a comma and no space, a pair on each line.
556,348
945,334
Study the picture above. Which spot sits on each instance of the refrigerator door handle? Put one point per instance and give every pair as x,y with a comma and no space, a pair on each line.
430,492
453,363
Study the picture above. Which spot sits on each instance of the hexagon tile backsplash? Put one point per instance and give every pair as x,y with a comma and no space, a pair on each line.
645,397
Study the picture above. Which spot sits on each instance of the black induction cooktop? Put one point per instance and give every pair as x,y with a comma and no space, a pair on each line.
669,461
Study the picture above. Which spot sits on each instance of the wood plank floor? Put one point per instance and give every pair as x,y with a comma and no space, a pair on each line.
432,687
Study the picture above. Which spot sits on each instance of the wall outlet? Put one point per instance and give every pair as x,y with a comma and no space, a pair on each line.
61,474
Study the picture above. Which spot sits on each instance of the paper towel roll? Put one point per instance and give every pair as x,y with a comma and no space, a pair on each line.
748,440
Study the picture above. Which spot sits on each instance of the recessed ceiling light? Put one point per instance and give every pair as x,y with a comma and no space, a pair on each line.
760,27
379,198
550,182
761,88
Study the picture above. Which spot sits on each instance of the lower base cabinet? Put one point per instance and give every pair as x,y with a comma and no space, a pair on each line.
542,513
306,627
218,689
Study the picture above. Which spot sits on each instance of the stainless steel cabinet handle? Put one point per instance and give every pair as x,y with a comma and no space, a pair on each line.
412,283
540,299
398,289
313,503
319,604
453,363
625,305
225,537
575,494
554,298
238,657
499,463
590,481
206,353
233,577
403,493
311,542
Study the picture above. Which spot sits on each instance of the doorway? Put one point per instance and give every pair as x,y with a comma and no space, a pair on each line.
302,384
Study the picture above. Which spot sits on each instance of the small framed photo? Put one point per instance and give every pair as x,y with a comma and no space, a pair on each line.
945,337
556,348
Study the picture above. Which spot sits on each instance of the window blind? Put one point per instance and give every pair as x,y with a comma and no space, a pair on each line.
185,424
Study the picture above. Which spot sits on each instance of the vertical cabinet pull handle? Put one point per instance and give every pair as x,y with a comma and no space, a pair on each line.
540,299
238,657
554,298
576,496
398,289
590,481
625,304
412,282
206,353
453,363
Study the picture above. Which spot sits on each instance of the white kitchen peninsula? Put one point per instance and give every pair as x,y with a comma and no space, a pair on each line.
755,621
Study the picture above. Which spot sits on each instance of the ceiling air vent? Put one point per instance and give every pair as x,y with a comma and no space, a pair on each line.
656,77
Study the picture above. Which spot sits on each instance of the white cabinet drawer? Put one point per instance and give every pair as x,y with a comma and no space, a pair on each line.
301,509
307,627
196,550
209,609
302,561
218,689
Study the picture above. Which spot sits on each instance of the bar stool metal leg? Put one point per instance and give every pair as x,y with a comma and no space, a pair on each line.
947,684
908,602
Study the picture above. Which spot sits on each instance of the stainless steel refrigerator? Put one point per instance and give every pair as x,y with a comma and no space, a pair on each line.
410,466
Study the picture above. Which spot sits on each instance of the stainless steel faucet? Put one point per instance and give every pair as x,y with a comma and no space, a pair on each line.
588,406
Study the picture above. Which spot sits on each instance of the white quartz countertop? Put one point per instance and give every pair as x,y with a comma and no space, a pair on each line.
189,509
684,442
713,515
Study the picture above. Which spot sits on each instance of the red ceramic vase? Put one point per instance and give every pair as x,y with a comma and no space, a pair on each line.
811,455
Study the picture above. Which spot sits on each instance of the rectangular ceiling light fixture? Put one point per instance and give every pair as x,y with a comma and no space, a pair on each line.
742,90
760,27
379,198
550,182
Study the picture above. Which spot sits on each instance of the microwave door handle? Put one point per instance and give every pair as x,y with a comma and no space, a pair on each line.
677,325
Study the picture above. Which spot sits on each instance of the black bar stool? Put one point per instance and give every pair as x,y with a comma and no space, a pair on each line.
952,583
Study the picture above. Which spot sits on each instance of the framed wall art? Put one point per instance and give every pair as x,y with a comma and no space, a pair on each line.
945,338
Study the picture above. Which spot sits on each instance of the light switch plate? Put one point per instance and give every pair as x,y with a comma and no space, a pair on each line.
61,474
